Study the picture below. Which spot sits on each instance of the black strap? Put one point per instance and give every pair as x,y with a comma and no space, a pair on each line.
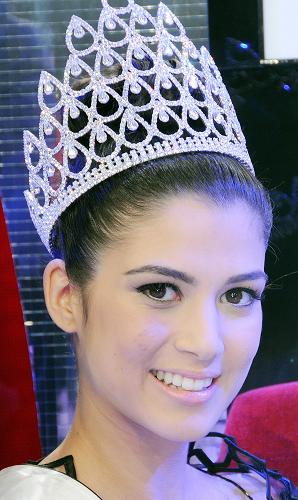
67,461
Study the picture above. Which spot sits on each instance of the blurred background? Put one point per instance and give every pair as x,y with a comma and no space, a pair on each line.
262,78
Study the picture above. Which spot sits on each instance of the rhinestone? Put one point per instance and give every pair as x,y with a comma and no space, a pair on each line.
48,128
103,97
193,82
167,84
194,115
139,54
135,88
194,53
168,19
163,116
168,51
107,60
132,124
142,19
76,69
74,112
214,88
101,136
51,171
79,32
30,147
218,118
72,152
48,88
110,24
36,190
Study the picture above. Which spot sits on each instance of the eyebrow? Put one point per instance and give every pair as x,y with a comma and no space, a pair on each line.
190,280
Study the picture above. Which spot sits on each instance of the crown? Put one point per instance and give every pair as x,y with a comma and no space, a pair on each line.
186,107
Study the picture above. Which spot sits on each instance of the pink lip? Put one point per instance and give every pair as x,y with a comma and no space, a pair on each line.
190,374
189,398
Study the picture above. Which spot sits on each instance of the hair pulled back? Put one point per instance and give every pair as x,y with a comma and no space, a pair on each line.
102,216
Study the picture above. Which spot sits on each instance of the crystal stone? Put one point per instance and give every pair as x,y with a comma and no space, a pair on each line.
48,88
79,32
72,152
110,24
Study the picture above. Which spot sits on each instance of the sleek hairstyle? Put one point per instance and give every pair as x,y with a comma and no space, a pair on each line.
101,217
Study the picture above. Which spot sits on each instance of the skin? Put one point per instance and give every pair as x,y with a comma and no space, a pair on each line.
129,439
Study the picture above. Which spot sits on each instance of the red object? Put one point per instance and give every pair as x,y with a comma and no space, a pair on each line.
18,419
264,422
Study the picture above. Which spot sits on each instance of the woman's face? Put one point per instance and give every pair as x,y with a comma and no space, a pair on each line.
210,325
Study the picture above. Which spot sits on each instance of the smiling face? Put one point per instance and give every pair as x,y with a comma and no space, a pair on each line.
209,325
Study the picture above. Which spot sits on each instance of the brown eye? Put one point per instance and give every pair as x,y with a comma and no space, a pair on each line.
157,291
241,297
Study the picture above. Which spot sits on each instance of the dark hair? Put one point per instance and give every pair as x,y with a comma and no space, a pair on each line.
103,215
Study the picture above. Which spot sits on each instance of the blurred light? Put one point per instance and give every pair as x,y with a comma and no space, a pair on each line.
244,46
286,87
28,323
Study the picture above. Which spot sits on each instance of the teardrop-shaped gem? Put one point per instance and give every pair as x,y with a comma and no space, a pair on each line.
76,69
110,24
74,112
214,88
168,51
51,171
168,19
218,118
193,114
79,31
163,116
103,97
142,19
48,88
193,82
72,152
139,53
30,148
132,124
101,136
135,88
107,60
48,128
194,53
166,84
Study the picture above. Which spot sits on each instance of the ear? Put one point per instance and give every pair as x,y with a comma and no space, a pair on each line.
61,298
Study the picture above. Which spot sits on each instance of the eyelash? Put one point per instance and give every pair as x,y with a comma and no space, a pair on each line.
253,293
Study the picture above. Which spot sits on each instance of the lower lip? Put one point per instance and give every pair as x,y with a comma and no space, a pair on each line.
188,397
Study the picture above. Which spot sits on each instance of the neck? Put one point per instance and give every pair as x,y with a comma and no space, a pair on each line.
118,458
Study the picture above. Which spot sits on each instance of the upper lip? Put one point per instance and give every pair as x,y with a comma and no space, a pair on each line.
190,374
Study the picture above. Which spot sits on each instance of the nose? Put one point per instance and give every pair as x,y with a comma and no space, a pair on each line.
201,331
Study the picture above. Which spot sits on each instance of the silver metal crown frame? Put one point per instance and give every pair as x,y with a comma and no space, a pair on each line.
202,98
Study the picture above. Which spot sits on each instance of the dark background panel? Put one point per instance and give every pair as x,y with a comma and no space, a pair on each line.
266,101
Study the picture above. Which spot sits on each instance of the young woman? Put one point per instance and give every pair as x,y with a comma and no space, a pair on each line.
158,276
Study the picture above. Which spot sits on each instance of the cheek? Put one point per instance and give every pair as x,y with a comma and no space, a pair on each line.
242,341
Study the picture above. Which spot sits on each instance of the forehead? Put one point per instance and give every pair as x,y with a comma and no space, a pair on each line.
186,230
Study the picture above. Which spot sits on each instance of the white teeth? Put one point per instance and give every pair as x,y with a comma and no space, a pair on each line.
177,380
168,377
188,384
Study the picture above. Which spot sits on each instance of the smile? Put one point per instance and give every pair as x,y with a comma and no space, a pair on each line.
182,383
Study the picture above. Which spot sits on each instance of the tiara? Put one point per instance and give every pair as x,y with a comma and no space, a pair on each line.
187,98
